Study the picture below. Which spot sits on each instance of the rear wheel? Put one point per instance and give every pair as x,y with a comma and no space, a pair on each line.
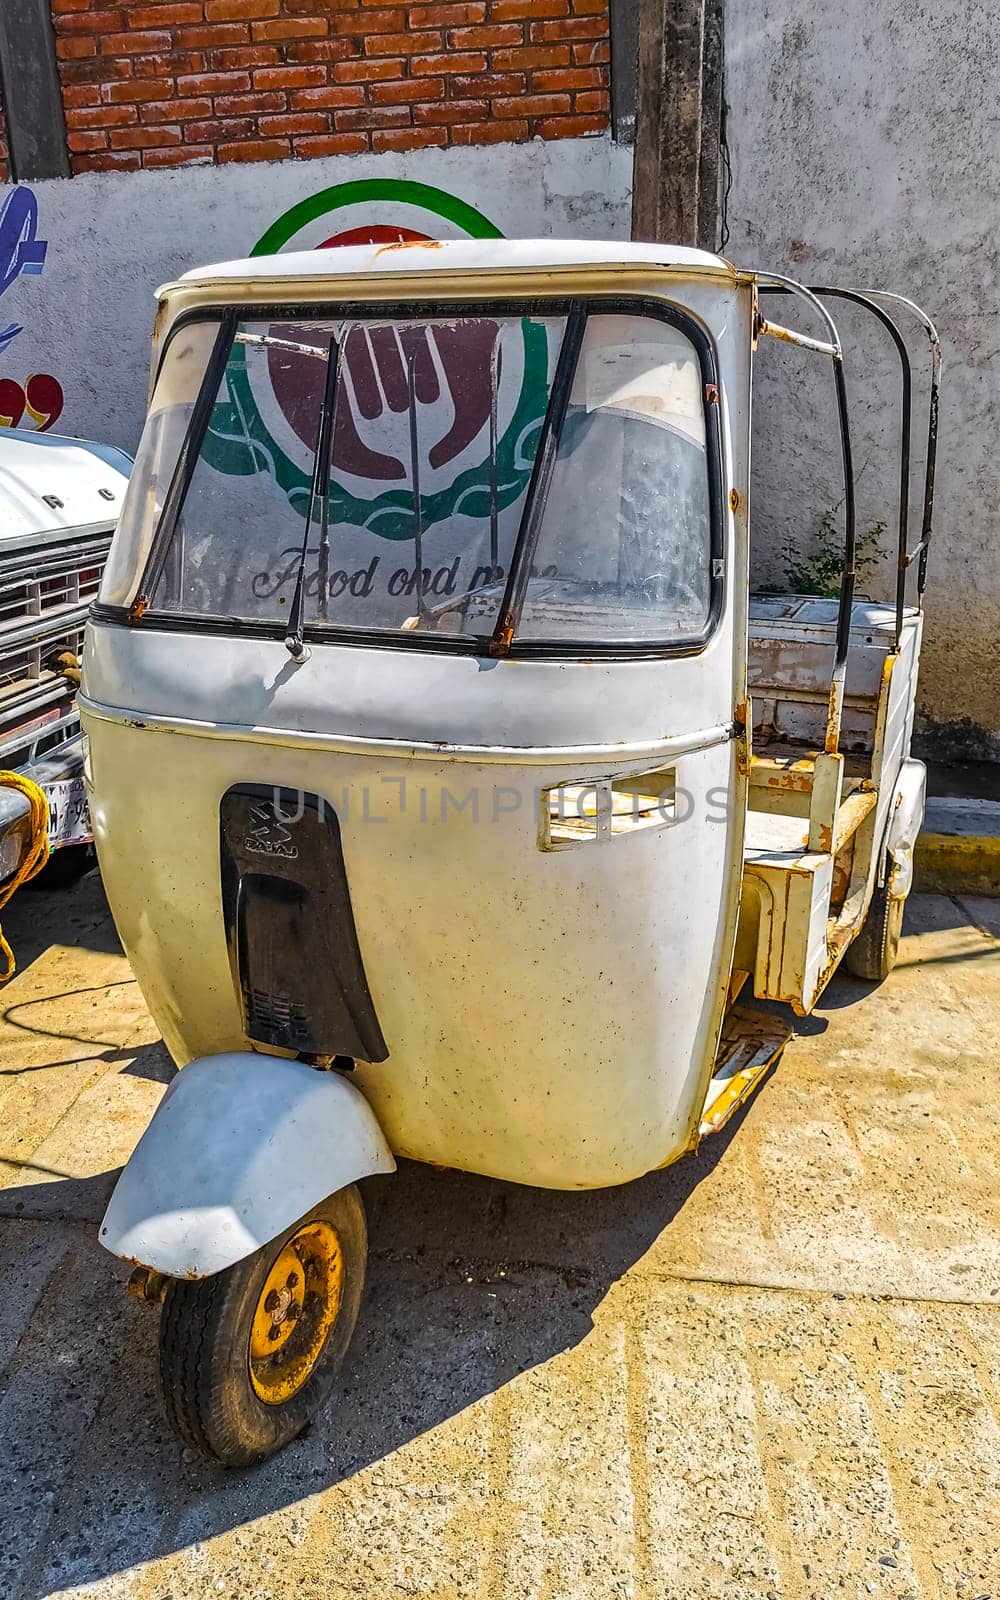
872,953
248,1357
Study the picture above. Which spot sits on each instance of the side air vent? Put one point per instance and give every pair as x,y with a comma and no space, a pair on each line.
269,1014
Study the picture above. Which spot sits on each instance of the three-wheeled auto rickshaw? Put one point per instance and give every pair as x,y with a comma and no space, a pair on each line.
431,806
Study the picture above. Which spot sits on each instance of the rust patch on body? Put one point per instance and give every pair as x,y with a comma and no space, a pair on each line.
146,1284
409,244
743,723
832,740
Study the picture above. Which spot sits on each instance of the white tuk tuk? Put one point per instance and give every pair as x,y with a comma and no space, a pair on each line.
424,779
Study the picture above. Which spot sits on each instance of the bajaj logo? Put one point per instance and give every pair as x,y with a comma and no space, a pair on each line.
268,836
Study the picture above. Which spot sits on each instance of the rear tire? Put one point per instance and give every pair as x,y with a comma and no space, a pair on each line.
872,953
218,1393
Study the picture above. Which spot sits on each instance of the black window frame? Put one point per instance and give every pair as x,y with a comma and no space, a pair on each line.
228,317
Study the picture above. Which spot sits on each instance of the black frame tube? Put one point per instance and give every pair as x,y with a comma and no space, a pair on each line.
319,490
496,372
934,339
845,603
540,480
418,510
906,433
926,524
187,460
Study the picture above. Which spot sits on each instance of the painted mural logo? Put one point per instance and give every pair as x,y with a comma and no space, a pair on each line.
265,419
40,397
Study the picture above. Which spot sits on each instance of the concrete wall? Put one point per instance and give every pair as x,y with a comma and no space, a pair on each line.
863,139
109,239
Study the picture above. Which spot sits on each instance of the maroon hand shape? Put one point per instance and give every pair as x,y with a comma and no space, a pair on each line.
375,365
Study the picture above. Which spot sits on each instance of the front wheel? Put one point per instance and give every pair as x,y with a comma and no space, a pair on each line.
249,1356
873,950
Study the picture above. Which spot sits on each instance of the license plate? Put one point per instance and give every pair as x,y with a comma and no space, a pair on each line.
69,819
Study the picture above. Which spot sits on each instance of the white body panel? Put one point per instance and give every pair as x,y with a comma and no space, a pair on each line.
548,1015
551,1017
241,1146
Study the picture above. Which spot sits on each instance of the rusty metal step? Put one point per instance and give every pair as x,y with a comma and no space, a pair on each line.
751,1041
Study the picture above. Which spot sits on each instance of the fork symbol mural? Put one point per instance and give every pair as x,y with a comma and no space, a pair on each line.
376,388
451,385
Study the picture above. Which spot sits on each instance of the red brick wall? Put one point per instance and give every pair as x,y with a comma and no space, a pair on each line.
166,82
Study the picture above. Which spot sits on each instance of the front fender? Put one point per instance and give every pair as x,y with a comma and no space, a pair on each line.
240,1147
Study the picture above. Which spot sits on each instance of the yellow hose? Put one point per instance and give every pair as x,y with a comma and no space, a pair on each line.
34,861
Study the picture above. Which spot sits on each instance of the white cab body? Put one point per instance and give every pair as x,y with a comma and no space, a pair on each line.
551,1016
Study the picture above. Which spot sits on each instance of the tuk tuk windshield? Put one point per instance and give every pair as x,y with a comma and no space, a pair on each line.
431,476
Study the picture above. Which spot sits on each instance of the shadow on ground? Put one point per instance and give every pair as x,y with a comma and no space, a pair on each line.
70,913
471,1281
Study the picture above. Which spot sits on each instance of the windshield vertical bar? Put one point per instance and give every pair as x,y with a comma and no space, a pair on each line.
496,371
541,478
418,510
187,460
319,491
776,282
332,359
855,297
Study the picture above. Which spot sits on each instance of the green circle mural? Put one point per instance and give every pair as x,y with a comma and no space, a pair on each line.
261,425
372,192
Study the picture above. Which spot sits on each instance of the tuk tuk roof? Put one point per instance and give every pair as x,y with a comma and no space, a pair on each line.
461,255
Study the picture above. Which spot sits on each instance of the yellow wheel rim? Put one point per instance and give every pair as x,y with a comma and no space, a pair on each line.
295,1311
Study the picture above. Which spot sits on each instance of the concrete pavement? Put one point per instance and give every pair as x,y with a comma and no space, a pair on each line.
772,1370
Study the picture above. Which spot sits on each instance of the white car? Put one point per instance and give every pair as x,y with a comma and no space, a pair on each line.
59,503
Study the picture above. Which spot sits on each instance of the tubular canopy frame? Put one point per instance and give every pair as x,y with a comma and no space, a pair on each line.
776,283
934,339
868,300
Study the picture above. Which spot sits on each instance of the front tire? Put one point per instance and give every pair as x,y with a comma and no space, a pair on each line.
872,952
248,1357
